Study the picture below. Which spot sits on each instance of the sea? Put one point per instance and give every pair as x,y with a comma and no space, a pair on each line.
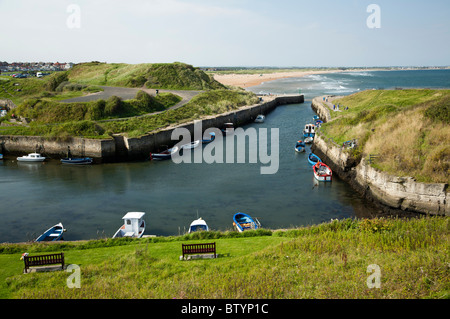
90,201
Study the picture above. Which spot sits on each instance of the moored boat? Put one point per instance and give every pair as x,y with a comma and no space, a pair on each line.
191,145
313,159
54,233
133,226
32,157
300,146
207,141
242,222
229,129
260,118
164,155
309,130
76,160
198,225
322,172
1,156
309,140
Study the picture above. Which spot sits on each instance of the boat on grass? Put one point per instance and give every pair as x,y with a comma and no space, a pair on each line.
198,225
32,157
313,159
300,146
207,141
164,155
260,118
242,222
133,226
322,172
54,233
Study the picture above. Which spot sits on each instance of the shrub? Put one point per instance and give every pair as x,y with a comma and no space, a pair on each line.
113,105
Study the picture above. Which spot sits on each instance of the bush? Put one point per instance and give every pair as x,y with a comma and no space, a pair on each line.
56,79
113,106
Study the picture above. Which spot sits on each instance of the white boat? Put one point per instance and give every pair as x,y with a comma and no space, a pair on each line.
193,144
260,118
32,157
322,172
54,233
198,225
309,140
1,156
133,226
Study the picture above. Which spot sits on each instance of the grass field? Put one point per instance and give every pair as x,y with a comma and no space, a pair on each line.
329,260
408,129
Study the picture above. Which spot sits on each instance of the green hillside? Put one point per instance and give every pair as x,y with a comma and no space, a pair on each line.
408,129
175,76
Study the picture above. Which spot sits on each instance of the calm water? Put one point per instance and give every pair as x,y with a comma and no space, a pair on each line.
91,200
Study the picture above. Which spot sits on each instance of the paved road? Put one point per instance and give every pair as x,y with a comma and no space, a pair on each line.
130,93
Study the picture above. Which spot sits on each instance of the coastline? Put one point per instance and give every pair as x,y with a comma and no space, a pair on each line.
249,80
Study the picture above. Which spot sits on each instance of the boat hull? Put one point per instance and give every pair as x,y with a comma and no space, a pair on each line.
313,159
322,172
77,161
243,222
54,233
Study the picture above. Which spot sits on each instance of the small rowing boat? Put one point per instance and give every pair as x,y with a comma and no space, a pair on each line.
191,145
300,146
313,159
242,221
322,172
54,233
207,141
164,155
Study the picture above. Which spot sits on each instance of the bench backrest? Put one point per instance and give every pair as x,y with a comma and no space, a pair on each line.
199,248
44,259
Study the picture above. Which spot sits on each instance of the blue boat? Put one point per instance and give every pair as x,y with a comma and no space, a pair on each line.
313,159
213,137
242,221
54,233
77,161
1,156
164,155
300,146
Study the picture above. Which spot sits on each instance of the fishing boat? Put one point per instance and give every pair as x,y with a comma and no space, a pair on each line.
76,160
133,226
54,233
198,225
242,221
191,145
32,157
260,118
322,172
300,146
313,159
229,129
309,130
164,155
207,141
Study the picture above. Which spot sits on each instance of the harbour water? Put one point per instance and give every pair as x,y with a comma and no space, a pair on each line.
91,200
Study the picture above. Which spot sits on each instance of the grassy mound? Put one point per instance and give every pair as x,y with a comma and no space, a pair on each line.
408,129
175,76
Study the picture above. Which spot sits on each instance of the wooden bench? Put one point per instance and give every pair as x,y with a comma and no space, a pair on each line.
43,260
191,249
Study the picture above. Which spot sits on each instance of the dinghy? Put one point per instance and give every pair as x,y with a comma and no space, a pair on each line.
191,145
300,146
322,172
54,233
207,141
229,129
75,160
133,226
313,159
260,118
164,155
242,222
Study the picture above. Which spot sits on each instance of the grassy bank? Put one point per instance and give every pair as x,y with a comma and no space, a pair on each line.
329,260
407,129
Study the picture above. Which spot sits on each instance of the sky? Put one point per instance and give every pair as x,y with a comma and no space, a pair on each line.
277,33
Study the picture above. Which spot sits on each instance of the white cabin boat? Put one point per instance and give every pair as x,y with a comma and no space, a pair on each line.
32,157
198,225
133,226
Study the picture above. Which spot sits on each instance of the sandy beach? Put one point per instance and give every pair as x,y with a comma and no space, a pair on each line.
248,80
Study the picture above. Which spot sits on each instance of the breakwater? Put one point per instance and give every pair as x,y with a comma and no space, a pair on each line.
121,148
393,194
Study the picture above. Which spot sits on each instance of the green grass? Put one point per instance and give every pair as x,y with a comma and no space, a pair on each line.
175,76
404,127
329,260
